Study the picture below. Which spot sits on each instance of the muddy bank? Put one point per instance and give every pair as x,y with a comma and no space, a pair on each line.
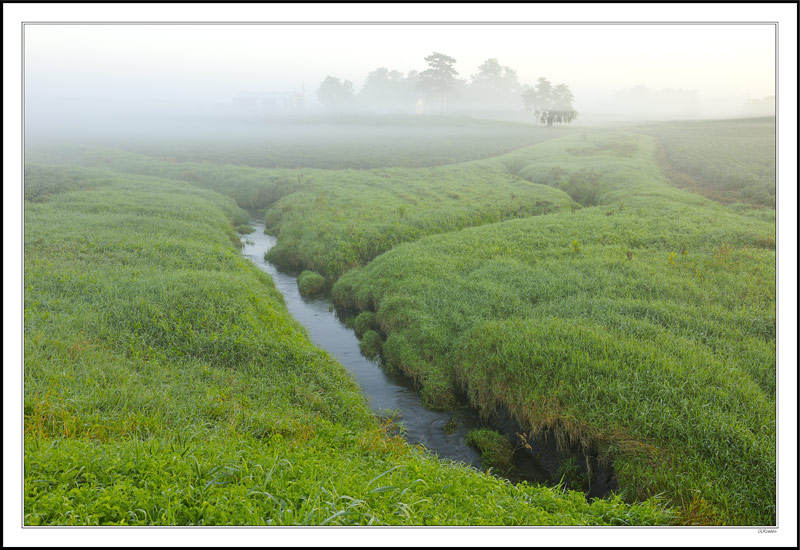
538,455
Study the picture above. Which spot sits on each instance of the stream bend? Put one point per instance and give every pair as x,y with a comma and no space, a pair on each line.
386,394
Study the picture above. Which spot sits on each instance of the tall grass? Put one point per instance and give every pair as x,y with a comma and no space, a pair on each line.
347,218
643,327
343,213
165,383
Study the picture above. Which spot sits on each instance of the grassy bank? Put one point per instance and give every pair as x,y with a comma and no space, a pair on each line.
330,221
347,218
251,188
642,325
166,384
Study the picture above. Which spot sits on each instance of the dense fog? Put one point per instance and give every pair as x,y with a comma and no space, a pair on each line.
132,81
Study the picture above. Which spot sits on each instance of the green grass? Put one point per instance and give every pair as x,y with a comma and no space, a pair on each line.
251,188
728,161
347,218
310,283
363,322
275,157
642,327
165,383
338,216
370,344
497,454
568,281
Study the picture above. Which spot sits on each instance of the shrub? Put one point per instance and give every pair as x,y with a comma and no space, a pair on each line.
310,283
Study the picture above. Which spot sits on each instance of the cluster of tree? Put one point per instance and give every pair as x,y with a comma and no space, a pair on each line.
550,103
493,87
335,94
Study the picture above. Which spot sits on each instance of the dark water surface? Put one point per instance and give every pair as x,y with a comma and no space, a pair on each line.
387,394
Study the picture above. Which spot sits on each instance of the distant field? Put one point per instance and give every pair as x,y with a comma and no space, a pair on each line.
166,384
360,143
728,161
643,326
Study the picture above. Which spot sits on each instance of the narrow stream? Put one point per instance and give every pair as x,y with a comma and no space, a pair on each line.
387,394
441,432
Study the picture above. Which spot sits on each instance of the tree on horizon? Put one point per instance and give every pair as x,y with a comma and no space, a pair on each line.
440,76
550,103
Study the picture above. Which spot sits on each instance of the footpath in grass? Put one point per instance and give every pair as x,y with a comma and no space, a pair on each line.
165,383
641,326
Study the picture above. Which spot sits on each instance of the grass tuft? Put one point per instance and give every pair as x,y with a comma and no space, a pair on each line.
497,453
310,283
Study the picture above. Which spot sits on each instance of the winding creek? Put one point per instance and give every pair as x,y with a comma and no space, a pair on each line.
388,394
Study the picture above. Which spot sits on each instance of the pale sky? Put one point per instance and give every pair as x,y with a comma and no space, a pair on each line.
215,62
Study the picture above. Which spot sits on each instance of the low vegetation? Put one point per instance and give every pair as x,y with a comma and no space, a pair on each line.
251,188
310,283
571,281
364,322
497,454
728,161
165,383
347,218
371,344
641,326
331,220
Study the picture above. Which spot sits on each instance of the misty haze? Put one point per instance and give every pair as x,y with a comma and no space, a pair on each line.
399,275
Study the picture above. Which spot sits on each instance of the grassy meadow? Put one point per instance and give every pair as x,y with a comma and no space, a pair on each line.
331,220
165,383
576,278
642,325
347,218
